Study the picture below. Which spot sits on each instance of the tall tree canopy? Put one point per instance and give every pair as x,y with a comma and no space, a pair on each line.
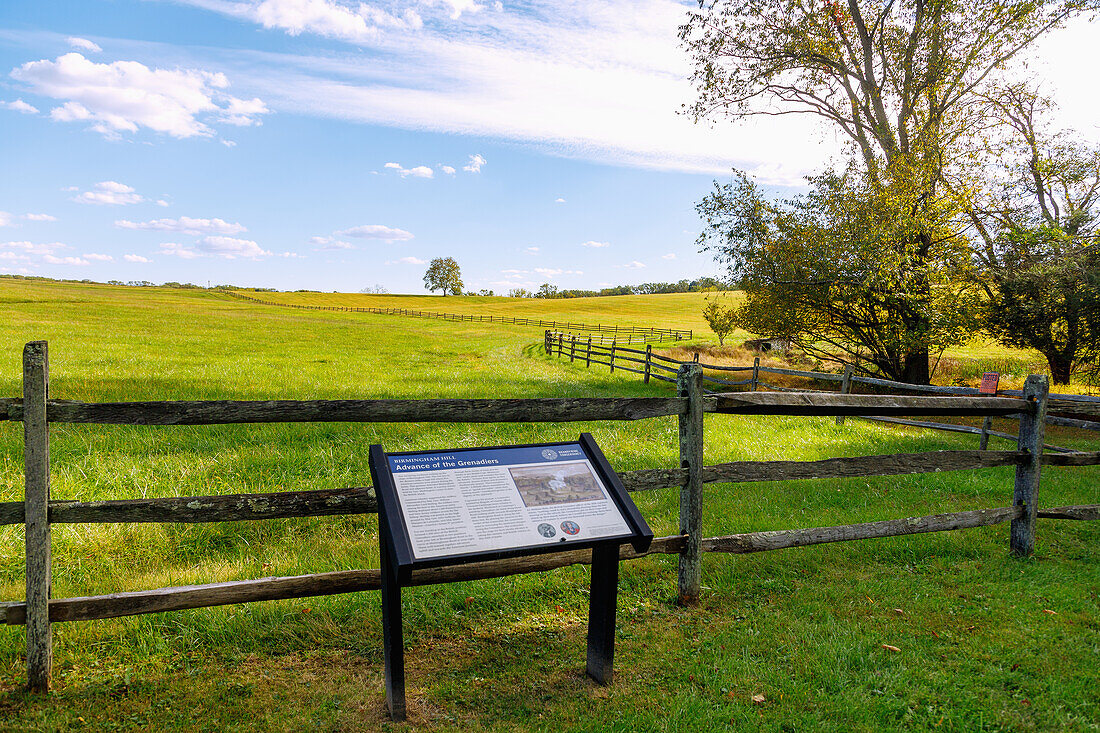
905,84
1037,228
443,274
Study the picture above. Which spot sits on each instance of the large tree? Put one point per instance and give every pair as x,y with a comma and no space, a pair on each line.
443,274
1038,258
903,83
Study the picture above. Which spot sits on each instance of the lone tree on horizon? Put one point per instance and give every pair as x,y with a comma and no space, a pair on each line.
443,274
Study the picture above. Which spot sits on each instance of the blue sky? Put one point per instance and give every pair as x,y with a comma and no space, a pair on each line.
333,145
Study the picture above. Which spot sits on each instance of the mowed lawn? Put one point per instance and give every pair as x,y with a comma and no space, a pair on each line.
986,642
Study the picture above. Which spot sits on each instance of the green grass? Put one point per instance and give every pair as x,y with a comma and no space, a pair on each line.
803,627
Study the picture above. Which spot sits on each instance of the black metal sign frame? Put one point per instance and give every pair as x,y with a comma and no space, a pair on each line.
399,562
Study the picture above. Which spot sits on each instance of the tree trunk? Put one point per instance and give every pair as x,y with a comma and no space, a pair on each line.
916,367
1059,368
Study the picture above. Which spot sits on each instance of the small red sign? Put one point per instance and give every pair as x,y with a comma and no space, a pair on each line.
990,381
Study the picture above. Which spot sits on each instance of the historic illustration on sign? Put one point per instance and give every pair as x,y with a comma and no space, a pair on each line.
560,483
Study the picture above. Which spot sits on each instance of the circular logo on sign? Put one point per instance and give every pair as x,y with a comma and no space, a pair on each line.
570,527
547,530
550,454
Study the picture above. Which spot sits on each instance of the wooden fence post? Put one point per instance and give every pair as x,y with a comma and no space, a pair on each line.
845,388
560,337
572,347
612,360
36,467
648,361
987,425
695,359
689,384
755,374
1022,539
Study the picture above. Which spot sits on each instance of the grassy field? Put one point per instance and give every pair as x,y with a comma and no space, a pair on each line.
960,365
979,646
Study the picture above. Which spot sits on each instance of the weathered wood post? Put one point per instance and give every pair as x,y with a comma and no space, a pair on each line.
36,471
588,354
572,347
611,361
987,425
648,361
547,343
755,374
561,336
689,384
695,359
1032,425
845,388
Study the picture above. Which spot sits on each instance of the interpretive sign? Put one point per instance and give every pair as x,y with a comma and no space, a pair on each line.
990,382
454,507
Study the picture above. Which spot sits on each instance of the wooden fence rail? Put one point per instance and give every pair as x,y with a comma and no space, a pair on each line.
636,334
36,411
1084,409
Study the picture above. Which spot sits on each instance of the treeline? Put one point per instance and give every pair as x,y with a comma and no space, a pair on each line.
547,290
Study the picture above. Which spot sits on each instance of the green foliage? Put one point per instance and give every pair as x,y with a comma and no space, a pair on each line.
720,315
854,271
1047,297
443,274
905,83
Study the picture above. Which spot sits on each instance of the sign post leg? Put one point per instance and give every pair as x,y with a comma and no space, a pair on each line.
392,638
601,612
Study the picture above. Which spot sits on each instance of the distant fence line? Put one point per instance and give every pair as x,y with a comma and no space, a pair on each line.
37,512
621,334
646,363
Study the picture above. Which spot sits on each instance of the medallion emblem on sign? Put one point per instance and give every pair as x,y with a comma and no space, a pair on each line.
549,454
570,527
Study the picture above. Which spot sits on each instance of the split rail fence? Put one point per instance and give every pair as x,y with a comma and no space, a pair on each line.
1074,411
621,334
37,512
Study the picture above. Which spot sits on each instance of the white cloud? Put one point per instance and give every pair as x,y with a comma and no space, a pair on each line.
330,243
229,143
634,265
599,81
231,248
595,244
99,257
185,225
321,17
376,231
449,170
136,258
39,217
50,259
669,256
84,44
32,248
408,261
178,250
111,193
243,113
532,250
5,219
291,255
458,7
559,201
20,106
162,202
126,96
474,164
420,171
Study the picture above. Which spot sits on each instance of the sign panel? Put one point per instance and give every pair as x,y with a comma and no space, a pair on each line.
493,502
990,382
